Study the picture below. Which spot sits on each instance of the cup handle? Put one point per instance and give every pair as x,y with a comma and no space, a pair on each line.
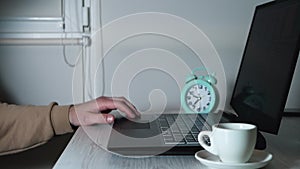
210,147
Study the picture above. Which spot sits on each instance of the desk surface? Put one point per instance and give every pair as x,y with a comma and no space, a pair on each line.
87,150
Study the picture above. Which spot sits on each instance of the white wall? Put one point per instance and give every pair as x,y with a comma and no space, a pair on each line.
36,75
45,76
31,8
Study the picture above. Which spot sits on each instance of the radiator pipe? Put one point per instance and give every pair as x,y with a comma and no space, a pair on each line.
42,41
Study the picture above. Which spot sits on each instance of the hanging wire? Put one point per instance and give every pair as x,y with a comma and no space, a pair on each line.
66,59
102,47
64,36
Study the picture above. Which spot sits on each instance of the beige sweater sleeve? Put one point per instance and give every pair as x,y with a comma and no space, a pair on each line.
25,127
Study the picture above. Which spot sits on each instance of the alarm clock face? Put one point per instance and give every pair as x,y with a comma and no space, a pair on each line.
199,97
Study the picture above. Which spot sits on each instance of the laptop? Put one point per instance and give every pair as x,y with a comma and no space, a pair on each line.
161,134
255,97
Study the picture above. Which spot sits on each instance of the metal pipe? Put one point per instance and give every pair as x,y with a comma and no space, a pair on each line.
41,41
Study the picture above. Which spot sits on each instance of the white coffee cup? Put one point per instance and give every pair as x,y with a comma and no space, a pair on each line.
232,142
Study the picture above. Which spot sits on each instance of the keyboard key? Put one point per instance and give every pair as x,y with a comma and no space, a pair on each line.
181,129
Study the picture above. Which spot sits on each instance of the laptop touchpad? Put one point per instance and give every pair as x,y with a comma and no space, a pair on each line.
137,125
125,124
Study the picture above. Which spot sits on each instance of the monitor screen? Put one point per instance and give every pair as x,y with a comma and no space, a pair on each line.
268,64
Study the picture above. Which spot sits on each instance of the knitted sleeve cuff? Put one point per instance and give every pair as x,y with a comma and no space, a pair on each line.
60,119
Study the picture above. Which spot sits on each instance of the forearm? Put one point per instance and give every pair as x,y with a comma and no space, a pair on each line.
24,127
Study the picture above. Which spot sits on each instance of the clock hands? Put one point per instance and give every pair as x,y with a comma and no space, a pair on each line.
199,107
198,101
192,93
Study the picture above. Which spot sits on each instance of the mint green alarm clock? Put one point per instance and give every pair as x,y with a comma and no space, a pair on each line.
198,94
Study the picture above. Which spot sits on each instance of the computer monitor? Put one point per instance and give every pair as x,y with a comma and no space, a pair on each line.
268,64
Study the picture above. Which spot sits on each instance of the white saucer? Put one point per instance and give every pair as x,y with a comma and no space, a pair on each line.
259,159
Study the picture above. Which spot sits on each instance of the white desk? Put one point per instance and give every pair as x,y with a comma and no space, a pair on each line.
85,150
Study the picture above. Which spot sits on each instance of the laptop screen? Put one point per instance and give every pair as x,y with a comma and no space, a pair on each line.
268,64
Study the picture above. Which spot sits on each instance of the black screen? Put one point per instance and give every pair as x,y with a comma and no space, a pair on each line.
268,64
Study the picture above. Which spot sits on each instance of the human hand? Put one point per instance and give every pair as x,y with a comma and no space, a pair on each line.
88,113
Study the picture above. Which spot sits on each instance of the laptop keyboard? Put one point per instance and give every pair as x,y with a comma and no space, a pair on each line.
181,128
